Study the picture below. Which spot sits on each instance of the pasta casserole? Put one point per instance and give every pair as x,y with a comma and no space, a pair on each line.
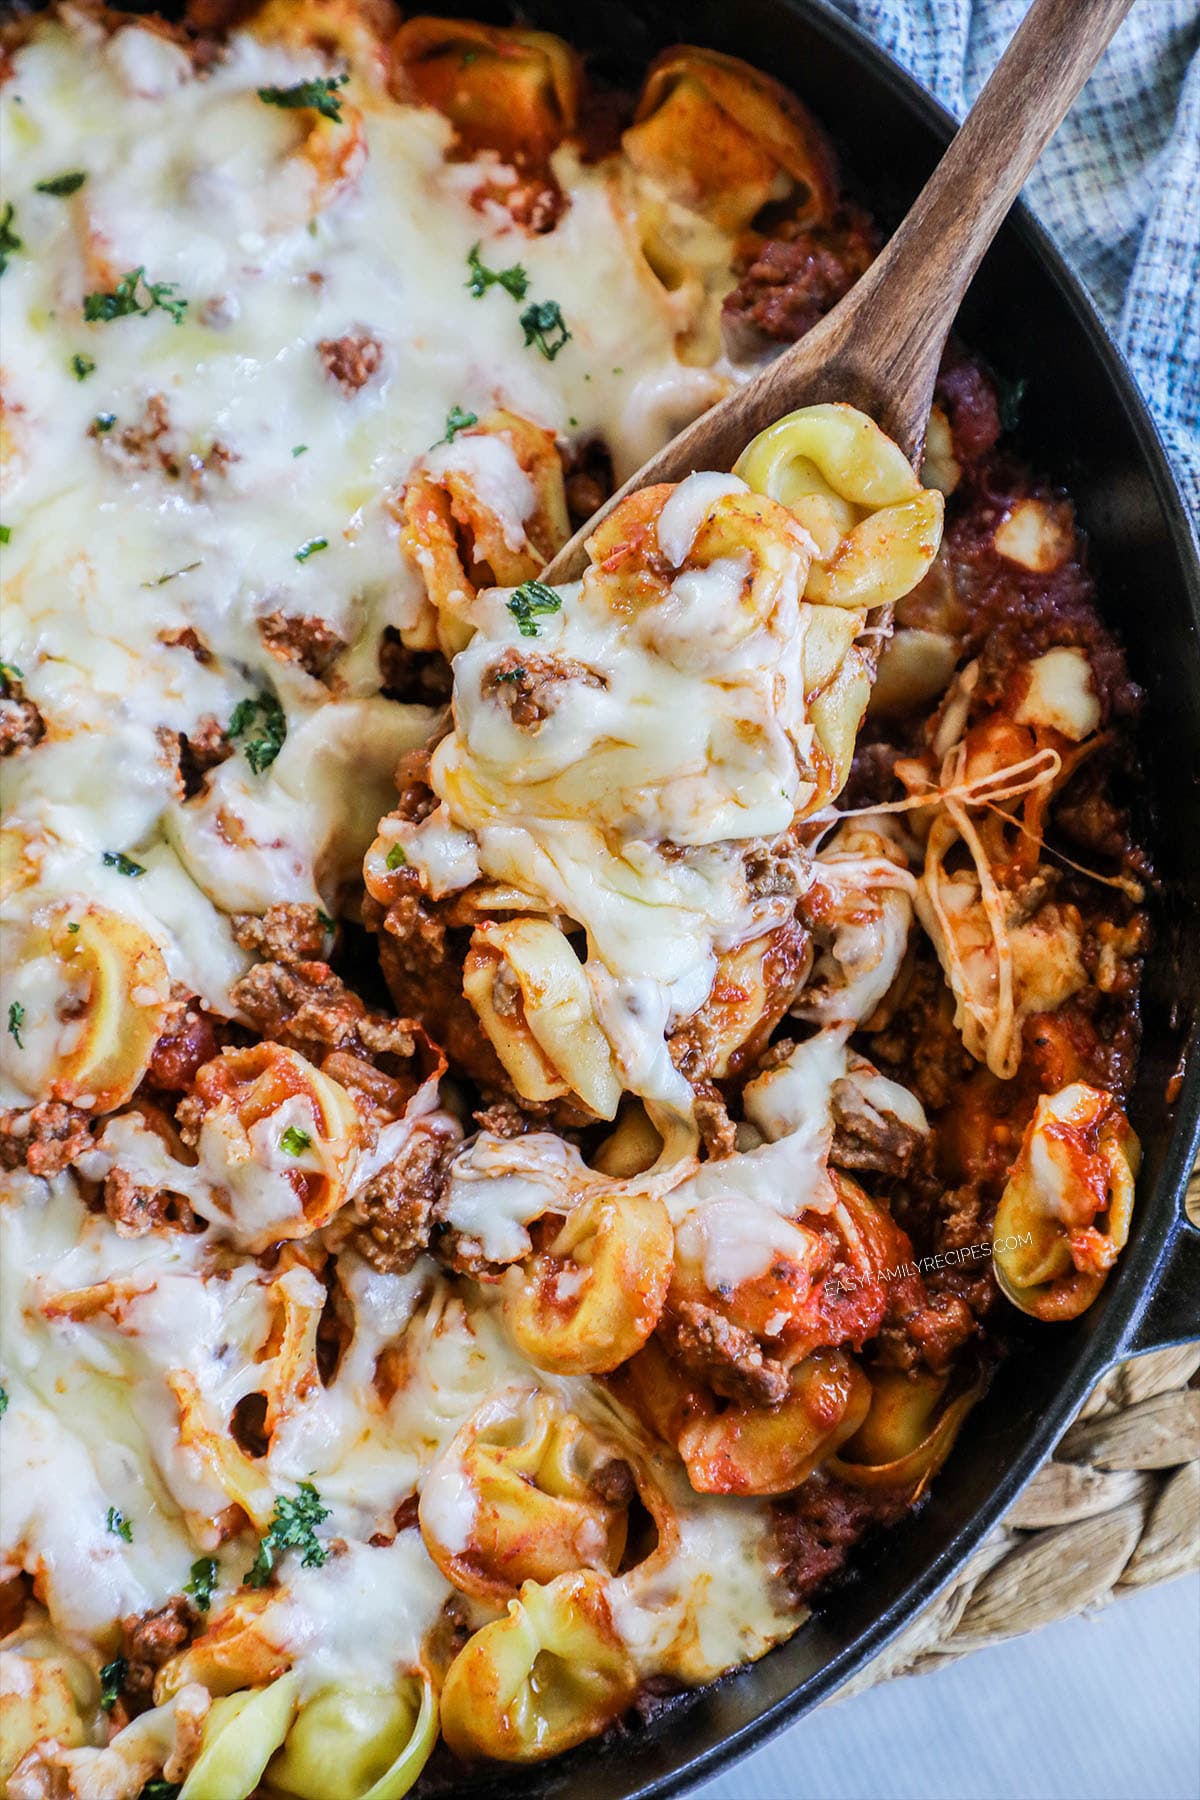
527,1111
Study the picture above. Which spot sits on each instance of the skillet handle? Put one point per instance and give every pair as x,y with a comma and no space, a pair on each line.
1171,1314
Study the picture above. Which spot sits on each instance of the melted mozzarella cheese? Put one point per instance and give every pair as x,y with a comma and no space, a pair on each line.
171,488
231,448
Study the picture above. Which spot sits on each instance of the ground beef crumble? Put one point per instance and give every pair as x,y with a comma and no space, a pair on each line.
150,1639
45,1138
351,360
303,639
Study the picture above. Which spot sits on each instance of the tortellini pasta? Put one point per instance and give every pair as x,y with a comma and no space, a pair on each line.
530,992
43,1694
590,1299
357,1743
517,1496
507,89
742,1448
241,1734
488,507
279,1140
722,139
908,1432
549,1675
89,995
1064,1216
875,528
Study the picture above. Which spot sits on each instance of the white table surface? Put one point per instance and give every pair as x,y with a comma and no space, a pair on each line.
1105,1707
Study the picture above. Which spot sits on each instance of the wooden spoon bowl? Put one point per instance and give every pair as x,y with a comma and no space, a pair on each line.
880,347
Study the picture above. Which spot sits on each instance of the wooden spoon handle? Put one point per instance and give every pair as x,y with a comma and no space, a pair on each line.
888,341
880,347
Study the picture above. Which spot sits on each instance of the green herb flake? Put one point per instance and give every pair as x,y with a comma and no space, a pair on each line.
162,580
62,185
116,1522
124,865
299,449
81,366
516,674
112,1680
395,858
544,325
514,281
16,1018
103,422
531,598
101,308
264,715
5,534
159,1788
3,1401
321,94
72,925
294,1141
10,672
324,921
292,1528
201,1582
310,548
9,241
457,420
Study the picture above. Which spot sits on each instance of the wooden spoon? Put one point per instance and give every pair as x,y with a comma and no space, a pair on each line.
880,347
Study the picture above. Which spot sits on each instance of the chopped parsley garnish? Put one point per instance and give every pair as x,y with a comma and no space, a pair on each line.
5,534
457,420
299,449
514,281
544,325
81,366
264,715
10,671
72,925
516,674
294,1141
310,548
324,921
116,1522
162,580
123,301
9,241
112,1680
531,598
320,93
159,1788
201,1582
103,422
395,858
62,185
3,1401
16,1018
124,865
292,1528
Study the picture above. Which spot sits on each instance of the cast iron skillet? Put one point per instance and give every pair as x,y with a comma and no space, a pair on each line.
1083,424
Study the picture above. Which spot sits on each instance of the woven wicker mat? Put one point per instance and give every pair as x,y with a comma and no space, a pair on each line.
1116,1508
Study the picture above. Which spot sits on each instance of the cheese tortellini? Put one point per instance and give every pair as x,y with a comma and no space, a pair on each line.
1065,1213
520,1495
280,1140
551,1674
88,996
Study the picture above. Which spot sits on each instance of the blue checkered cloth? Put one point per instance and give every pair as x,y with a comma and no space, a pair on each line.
1119,186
